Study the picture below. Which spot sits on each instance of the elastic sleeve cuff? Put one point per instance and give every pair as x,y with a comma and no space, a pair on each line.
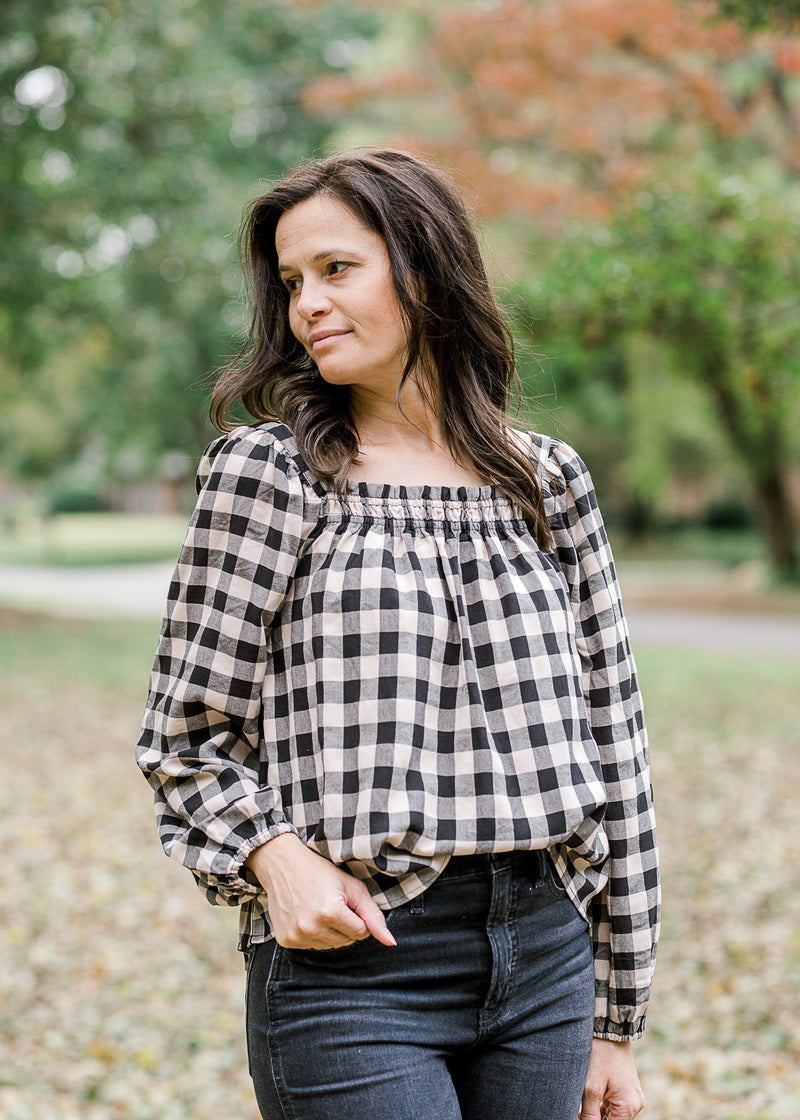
241,874
619,1032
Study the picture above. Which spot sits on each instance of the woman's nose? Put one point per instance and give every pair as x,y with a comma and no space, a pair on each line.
312,300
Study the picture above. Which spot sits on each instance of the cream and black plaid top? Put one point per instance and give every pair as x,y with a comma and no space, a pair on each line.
398,677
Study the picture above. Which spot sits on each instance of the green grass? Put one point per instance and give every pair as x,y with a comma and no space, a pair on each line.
721,547
76,654
72,539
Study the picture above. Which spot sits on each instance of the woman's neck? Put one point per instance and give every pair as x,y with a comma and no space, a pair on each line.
380,423
400,449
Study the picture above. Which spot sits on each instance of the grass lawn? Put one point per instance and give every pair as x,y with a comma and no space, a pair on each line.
121,992
93,538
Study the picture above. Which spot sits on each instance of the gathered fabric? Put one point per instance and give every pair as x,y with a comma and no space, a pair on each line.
401,675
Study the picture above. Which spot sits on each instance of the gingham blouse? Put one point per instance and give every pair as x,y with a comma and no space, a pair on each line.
400,676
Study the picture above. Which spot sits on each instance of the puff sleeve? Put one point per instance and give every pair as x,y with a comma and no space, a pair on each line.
625,915
199,744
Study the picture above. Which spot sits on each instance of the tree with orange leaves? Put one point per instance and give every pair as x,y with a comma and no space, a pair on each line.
567,106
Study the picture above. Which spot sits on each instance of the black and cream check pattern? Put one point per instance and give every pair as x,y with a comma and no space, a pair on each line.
400,676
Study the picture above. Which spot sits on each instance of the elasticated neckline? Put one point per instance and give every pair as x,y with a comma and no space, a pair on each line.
453,504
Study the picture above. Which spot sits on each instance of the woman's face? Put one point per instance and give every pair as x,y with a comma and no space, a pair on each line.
343,306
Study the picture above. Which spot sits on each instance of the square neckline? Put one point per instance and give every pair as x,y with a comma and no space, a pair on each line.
433,491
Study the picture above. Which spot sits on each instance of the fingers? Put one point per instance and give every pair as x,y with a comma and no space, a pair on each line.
612,1090
336,927
597,1104
370,914
376,925
312,903
333,923
591,1104
352,916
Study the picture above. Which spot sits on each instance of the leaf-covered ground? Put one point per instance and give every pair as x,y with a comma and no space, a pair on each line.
121,992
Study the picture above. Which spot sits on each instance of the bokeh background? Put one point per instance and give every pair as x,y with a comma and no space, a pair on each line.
635,169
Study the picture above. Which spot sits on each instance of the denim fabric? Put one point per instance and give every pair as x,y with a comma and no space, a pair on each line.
484,1009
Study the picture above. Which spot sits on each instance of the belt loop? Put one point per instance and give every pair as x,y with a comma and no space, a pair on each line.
418,905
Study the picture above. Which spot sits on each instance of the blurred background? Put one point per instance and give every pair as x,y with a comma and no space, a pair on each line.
636,172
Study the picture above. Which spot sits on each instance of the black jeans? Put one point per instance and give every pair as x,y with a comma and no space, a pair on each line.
483,1011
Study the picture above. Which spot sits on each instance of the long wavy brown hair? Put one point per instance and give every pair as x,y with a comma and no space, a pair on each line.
459,348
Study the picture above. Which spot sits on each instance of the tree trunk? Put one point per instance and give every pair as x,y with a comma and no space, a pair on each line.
761,447
776,515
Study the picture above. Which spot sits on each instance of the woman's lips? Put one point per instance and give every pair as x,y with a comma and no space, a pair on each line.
318,341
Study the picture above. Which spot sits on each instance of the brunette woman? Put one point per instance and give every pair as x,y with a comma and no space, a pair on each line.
394,715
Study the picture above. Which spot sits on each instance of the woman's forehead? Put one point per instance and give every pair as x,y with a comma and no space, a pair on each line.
318,225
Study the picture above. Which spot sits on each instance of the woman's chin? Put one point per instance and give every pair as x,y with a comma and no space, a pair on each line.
334,375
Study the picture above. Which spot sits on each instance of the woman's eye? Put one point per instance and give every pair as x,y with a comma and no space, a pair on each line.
335,268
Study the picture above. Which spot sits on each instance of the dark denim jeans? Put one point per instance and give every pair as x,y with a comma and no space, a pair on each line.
483,1011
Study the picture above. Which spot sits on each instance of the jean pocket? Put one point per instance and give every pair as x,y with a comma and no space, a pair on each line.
345,956
342,957
552,880
397,914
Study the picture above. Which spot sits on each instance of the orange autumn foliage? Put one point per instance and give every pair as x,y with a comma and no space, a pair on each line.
584,96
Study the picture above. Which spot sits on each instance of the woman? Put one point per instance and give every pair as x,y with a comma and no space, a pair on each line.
393,714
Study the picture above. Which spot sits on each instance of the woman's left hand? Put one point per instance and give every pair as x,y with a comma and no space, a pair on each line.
612,1089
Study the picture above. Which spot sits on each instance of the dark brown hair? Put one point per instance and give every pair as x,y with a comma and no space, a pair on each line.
459,346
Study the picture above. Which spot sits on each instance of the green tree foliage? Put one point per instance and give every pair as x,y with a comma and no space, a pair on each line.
762,13
710,277
132,135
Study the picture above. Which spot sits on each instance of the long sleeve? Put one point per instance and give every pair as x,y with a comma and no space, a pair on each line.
199,745
625,915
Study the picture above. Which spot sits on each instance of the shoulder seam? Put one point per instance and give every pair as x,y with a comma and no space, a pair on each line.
243,434
543,450
292,454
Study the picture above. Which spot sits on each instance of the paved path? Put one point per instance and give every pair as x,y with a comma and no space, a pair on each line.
139,591
107,591
716,631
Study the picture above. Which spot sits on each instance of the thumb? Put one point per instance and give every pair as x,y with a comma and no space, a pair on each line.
360,902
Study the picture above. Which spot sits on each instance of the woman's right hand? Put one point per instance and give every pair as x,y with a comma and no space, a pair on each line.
312,903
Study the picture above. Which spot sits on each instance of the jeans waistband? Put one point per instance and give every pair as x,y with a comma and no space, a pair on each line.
527,862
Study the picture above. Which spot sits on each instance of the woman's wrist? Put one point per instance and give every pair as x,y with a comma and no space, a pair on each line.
263,859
